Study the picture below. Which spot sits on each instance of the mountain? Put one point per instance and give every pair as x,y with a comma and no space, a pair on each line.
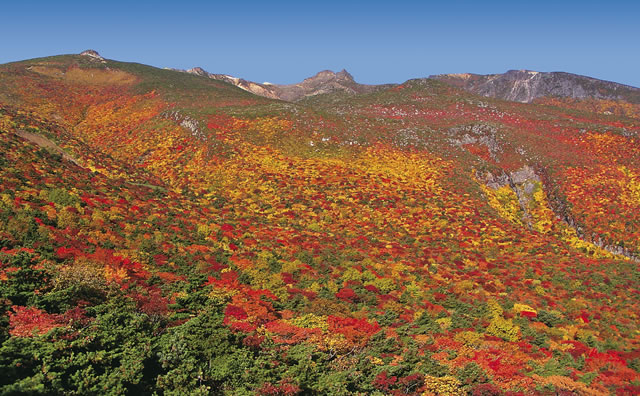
526,86
323,82
168,233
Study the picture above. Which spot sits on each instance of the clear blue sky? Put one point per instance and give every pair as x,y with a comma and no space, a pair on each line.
286,41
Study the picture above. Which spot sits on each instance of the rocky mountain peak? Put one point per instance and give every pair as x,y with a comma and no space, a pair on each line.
198,71
344,75
92,54
326,75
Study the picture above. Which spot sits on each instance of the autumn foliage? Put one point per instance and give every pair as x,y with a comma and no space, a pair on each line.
196,239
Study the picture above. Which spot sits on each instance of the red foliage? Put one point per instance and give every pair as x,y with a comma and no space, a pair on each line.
234,312
152,303
30,321
356,331
347,294
486,390
528,314
384,382
284,388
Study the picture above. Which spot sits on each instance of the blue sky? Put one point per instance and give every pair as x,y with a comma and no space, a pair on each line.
378,42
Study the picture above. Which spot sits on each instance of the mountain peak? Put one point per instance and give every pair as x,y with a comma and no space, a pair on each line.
198,71
331,75
344,75
92,54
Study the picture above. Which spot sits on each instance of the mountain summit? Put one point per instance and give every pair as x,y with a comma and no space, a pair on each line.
526,86
323,82
93,54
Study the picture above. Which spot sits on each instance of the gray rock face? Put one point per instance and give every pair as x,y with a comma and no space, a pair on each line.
526,86
325,81
479,133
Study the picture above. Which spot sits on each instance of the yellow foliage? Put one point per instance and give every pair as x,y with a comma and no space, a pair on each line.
290,266
6,123
495,309
375,360
541,213
469,338
447,385
6,201
505,201
336,343
444,323
66,219
222,296
310,321
499,326
83,273
503,328
570,236
385,285
203,229
463,286
523,307
561,383
631,186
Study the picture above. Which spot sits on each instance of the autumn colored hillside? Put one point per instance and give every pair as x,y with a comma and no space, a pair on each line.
167,233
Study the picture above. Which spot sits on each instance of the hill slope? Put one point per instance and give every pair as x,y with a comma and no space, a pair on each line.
173,233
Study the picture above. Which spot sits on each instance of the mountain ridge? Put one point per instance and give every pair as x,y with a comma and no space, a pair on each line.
526,86
522,85
325,81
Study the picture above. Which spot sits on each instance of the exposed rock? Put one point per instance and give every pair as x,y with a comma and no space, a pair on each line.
480,133
93,55
526,86
198,71
188,123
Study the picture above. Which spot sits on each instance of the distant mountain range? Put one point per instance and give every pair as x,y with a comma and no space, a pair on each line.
515,85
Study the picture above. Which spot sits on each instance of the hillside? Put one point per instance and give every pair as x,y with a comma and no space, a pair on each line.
166,232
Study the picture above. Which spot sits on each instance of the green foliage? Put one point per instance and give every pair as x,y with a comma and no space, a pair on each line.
62,197
549,318
552,367
471,375
113,355
22,286
202,356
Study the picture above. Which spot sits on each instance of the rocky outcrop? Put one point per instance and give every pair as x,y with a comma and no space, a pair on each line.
526,86
325,81
483,134
186,122
93,55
